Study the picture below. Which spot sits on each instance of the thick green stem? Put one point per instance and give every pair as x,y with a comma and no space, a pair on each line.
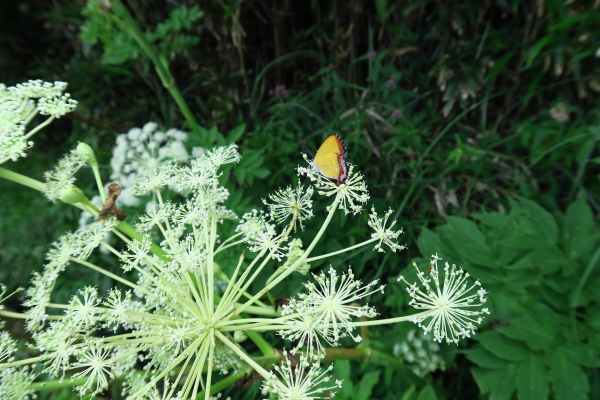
41,187
300,261
126,22
23,180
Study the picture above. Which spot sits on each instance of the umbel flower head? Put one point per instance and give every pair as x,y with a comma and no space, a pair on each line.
18,107
59,180
326,311
353,192
164,330
143,150
294,380
295,203
419,353
452,308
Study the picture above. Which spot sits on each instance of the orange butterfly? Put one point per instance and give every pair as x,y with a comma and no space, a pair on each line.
330,160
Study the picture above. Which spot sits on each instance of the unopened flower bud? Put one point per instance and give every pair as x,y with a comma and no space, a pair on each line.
71,194
239,336
86,151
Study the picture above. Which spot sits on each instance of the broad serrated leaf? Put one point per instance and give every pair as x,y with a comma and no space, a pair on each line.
569,381
236,133
583,355
427,393
341,369
504,305
525,241
534,330
503,347
469,230
499,383
485,359
466,239
532,379
542,218
365,386
517,281
547,259
578,234
493,219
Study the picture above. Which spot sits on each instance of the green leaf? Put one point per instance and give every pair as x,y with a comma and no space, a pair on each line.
381,7
484,358
468,241
568,379
493,219
538,328
409,394
566,22
525,241
499,383
468,229
503,347
495,70
517,281
532,379
579,234
260,172
535,83
583,355
543,219
366,384
535,50
427,394
236,133
341,369
503,304
427,243
548,259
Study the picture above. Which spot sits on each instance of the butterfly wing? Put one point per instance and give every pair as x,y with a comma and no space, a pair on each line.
330,159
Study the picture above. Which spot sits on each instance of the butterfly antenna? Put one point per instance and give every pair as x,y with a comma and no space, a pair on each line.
309,152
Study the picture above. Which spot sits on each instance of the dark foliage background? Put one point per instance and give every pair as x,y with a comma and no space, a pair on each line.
452,110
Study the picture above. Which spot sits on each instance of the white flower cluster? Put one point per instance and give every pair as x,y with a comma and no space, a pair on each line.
383,232
69,247
299,379
295,203
326,311
451,308
141,151
419,353
61,178
18,108
169,318
353,191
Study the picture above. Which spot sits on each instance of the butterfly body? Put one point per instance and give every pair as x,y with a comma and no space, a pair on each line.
330,160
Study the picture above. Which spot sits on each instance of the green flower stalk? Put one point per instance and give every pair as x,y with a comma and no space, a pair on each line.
166,323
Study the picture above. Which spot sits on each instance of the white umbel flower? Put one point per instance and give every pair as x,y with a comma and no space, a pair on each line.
419,353
353,191
18,107
96,364
455,307
15,383
140,152
300,380
295,203
326,311
63,174
384,232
